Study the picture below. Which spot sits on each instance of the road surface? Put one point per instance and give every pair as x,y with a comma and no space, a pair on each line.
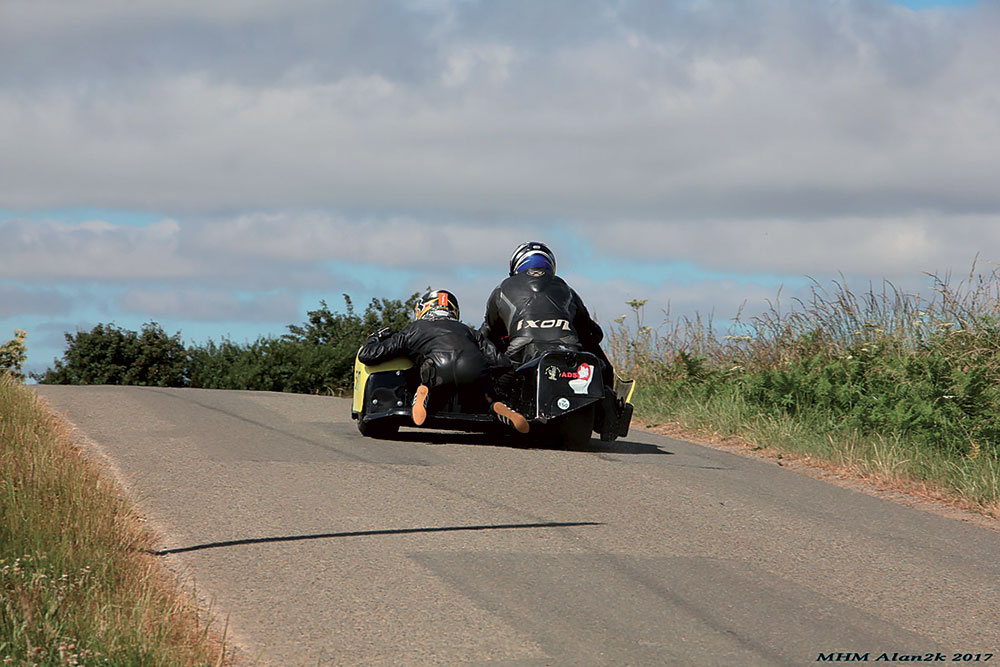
440,548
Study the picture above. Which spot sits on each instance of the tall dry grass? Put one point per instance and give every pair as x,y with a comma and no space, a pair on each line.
77,582
902,386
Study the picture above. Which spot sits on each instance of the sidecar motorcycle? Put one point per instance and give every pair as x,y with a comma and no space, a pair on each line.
560,393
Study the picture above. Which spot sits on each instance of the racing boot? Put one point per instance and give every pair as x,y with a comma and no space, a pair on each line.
510,417
420,404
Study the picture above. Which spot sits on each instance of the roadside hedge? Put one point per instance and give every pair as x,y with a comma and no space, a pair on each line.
315,357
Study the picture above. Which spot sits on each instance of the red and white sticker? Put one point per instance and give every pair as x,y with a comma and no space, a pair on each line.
584,375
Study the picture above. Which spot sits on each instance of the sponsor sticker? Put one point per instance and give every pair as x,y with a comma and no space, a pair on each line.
584,375
579,380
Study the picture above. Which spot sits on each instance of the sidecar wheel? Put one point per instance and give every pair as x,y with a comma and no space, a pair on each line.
381,429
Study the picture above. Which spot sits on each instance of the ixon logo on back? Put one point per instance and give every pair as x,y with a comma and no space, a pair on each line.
544,324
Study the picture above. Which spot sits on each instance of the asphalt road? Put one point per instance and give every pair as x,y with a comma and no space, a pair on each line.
327,548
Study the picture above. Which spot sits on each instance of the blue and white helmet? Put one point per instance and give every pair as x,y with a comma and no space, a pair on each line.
532,255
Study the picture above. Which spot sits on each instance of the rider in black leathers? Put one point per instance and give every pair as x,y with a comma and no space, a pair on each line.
534,311
448,354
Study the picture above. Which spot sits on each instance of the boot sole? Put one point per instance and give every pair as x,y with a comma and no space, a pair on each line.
420,405
517,420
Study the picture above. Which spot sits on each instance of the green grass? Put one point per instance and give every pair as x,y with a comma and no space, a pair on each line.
973,479
77,582
898,387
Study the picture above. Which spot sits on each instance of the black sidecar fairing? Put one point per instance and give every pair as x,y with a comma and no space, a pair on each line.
567,381
389,395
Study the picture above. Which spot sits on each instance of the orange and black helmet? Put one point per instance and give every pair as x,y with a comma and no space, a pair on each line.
436,303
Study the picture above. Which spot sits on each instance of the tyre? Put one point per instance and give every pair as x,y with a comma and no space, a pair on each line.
381,429
571,431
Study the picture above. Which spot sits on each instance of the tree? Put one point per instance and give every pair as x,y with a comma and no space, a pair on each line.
316,357
108,354
333,339
13,354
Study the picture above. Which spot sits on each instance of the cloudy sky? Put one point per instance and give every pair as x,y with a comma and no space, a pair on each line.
219,167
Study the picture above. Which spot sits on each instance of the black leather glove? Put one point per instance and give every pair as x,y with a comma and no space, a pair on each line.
381,334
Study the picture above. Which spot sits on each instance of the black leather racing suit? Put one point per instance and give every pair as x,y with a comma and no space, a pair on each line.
447,353
535,311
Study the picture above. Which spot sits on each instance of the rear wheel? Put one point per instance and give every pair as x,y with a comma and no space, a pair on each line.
381,429
570,431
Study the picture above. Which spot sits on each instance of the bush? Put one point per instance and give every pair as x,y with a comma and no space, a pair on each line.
108,354
267,364
13,354
876,364
316,357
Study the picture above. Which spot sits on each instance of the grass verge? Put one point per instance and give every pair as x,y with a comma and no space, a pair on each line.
969,482
77,582
893,387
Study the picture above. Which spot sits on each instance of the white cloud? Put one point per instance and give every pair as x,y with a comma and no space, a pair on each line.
490,62
317,251
687,111
49,17
315,147
209,305
870,247
34,250
18,301
395,242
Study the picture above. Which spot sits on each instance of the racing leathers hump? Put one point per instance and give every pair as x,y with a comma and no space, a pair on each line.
446,351
534,311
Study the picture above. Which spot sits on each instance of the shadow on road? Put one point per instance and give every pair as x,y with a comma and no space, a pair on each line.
621,447
368,533
521,442
454,438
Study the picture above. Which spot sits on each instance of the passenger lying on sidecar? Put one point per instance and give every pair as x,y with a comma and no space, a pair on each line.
454,362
